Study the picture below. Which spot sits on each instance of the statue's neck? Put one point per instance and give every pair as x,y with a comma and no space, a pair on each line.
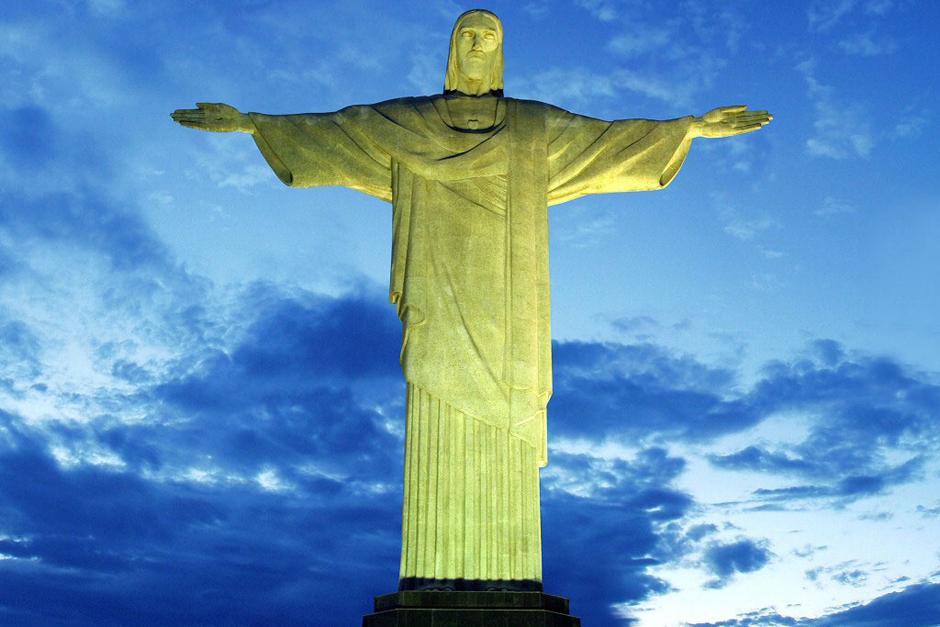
474,112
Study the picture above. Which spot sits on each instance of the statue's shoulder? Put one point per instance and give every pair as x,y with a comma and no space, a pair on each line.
533,107
408,103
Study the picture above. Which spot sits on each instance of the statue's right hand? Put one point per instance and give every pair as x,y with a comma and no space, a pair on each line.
216,117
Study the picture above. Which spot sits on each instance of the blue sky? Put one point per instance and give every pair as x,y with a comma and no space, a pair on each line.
201,411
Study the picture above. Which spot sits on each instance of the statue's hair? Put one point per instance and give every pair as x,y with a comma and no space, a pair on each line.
496,77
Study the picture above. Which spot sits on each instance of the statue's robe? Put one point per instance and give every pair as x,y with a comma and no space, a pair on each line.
470,280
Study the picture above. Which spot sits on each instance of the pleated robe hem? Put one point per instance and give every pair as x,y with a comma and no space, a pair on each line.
470,517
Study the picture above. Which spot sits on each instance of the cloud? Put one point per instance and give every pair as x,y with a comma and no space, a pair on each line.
746,228
846,488
910,124
537,9
226,502
585,227
862,411
97,545
823,14
571,87
236,446
854,577
833,206
761,618
866,45
426,75
641,392
841,126
724,561
670,90
669,60
635,323
609,521
604,10
867,409
198,461
640,41
918,605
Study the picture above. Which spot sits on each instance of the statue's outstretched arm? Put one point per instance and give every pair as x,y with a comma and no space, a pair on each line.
217,117
728,121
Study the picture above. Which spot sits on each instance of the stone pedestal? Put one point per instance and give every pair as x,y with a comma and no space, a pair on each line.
437,608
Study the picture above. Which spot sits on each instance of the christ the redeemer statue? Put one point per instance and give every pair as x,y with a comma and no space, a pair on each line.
470,175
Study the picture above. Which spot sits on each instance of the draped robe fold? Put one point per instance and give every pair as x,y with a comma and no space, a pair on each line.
469,276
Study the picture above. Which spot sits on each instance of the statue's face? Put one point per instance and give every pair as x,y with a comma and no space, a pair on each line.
477,47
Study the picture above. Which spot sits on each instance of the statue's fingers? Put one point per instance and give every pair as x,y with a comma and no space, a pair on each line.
190,124
753,114
764,119
748,123
181,116
750,119
747,115
748,129
733,108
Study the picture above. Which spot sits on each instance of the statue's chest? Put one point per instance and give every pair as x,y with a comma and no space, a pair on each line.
474,114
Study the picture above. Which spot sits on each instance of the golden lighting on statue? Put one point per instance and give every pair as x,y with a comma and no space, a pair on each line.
470,175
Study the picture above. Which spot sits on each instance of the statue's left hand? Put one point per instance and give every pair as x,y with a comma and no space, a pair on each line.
216,117
728,121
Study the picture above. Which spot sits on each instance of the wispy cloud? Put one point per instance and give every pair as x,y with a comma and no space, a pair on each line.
669,60
833,206
824,14
745,228
571,88
867,45
604,10
640,41
635,323
841,127
912,121
537,9
108,8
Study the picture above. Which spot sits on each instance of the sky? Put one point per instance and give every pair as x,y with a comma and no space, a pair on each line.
201,408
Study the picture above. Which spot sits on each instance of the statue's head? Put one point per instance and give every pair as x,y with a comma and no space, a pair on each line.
475,62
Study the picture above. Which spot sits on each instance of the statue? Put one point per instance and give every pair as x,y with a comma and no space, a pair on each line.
470,175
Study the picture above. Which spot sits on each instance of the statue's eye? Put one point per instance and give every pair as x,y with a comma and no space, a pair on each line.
490,36
466,34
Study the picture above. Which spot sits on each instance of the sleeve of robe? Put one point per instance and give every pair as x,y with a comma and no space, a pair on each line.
591,156
321,149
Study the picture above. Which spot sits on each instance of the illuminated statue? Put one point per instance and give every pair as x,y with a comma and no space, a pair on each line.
470,175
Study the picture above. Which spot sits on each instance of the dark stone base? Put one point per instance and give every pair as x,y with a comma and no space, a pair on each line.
440,608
